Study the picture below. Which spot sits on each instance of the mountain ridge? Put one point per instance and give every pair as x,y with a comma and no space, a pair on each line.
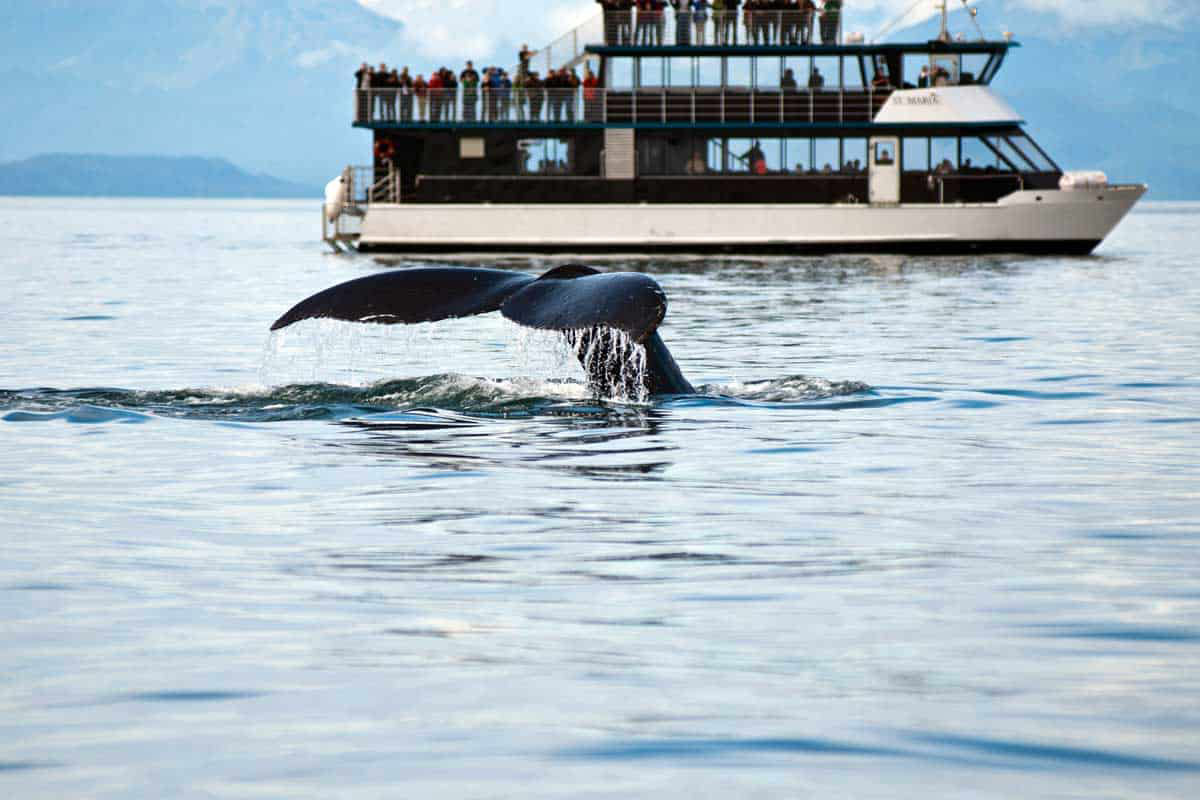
100,175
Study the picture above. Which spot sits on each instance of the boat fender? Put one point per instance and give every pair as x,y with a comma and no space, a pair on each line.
1083,179
335,197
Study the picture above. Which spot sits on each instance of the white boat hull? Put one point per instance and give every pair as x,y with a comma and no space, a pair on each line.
1042,221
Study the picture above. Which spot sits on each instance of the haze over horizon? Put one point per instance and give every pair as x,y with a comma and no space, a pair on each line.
267,83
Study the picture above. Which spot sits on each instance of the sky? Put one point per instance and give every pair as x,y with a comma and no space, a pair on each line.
446,29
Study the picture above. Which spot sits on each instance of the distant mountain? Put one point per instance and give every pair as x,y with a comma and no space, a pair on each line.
85,175
264,83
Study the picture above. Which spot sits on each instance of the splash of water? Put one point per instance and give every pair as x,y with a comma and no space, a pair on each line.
615,363
791,389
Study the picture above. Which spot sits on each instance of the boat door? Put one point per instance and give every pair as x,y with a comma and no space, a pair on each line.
884,163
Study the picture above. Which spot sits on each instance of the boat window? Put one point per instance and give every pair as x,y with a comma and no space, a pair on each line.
916,71
944,70
652,73
708,72
620,73
825,156
915,155
680,72
1033,153
943,155
852,77
673,154
885,154
1010,155
972,68
979,159
544,157
797,155
826,76
854,155
470,147
737,71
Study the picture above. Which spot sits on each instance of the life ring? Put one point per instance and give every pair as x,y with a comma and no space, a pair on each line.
384,150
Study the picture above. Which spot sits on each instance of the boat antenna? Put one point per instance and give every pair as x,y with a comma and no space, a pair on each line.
940,7
974,12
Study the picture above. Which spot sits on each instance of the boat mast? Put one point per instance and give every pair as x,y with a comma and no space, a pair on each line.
943,34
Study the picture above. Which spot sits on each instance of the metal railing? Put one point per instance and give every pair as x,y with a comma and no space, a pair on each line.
746,26
592,105
568,50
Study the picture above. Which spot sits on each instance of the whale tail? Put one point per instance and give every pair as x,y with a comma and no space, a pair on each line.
610,319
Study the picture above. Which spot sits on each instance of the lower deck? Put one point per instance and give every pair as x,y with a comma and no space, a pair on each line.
1025,221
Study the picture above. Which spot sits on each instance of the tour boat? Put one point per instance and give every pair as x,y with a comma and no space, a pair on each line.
760,131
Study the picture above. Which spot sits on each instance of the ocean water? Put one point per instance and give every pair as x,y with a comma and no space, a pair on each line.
930,527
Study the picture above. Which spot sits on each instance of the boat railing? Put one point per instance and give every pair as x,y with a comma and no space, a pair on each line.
594,105
371,184
567,50
746,26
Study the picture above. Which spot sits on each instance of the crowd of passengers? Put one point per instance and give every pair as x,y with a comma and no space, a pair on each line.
785,22
491,95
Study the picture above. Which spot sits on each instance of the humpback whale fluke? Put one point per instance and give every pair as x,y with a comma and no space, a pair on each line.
585,304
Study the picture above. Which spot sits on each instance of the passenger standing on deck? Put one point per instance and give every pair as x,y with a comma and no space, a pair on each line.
451,92
519,94
421,91
505,93
700,18
683,22
389,95
641,28
808,12
591,106
537,95
624,21
572,97
731,20
831,14
379,82
608,9
552,85
406,97
470,94
362,82
816,80
436,85
523,58
790,18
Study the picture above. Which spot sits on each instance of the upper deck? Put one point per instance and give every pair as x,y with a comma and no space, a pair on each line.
751,69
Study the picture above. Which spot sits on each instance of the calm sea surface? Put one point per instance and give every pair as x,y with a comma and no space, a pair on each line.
931,529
